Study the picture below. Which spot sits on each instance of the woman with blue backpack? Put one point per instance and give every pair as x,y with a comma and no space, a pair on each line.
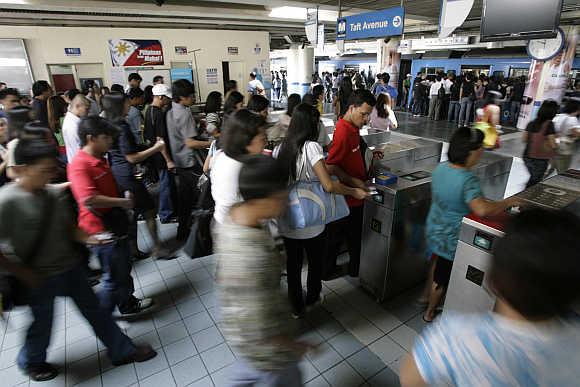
314,202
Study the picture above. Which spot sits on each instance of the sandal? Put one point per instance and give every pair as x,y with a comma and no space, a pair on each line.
434,317
42,372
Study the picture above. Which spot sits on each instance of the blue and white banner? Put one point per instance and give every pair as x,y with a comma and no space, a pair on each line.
377,24
453,14
311,25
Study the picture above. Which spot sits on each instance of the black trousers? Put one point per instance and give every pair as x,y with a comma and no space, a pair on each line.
316,251
537,168
354,223
187,193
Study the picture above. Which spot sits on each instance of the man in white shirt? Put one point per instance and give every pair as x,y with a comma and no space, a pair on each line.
447,83
79,108
434,103
255,86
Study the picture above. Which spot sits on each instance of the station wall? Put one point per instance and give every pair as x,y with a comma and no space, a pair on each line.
45,46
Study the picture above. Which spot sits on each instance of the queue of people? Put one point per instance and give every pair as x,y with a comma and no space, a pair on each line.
113,158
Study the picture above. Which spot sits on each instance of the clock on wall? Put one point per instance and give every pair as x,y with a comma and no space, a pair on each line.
546,49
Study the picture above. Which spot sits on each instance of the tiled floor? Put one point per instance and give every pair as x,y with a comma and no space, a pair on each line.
360,342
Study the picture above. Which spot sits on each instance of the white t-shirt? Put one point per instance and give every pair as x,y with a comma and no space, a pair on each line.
254,85
434,90
491,350
70,135
225,191
314,153
564,123
447,84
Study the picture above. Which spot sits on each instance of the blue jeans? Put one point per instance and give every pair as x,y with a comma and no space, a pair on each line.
515,111
117,283
453,113
242,374
73,284
465,111
165,203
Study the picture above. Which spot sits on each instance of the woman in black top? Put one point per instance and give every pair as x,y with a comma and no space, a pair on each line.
341,100
454,104
540,139
124,155
466,98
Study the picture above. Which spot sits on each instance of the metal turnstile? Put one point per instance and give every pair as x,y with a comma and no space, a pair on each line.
407,153
493,171
393,237
469,289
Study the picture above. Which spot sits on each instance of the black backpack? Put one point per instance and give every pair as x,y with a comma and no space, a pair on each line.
441,92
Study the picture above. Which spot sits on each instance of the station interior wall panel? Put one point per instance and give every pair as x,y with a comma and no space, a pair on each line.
45,46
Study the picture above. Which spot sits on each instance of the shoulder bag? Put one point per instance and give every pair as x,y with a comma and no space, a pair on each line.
539,146
13,292
309,204
200,242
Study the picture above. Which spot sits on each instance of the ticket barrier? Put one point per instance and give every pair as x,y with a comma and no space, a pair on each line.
493,171
393,239
469,289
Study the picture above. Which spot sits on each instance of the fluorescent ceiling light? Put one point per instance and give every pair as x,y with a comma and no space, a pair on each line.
13,1
299,13
12,62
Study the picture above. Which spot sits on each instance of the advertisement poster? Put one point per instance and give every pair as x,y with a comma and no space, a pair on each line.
527,109
311,25
128,52
548,80
558,69
390,60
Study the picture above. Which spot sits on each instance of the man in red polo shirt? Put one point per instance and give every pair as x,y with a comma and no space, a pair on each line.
346,161
101,213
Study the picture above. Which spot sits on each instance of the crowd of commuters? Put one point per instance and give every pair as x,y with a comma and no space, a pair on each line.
458,99
129,155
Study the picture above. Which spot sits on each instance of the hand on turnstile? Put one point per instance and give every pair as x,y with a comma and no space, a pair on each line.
378,155
361,194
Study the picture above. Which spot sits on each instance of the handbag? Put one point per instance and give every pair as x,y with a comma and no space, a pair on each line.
309,204
199,242
13,292
539,147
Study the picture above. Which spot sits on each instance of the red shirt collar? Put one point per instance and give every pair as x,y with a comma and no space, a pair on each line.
349,126
90,159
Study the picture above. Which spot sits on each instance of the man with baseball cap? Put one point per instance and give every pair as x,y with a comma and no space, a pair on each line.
155,127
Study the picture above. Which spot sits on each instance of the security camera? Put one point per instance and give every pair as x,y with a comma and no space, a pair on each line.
387,40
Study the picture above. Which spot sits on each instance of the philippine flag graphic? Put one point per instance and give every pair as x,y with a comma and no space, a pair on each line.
121,50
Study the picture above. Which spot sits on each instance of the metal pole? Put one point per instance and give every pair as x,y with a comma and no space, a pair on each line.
197,73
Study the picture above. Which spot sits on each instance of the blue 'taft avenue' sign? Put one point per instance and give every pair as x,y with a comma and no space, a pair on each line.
377,24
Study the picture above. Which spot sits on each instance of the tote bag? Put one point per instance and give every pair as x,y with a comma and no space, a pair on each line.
539,146
309,204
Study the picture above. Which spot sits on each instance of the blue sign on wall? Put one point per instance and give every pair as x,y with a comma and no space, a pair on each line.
176,74
377,24
72,51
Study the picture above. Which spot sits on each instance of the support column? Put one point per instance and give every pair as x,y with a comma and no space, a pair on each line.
300,65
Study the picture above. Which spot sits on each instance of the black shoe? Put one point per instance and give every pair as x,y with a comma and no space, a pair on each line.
93,282
142,353
41,372
173,219
139,256
137,306
334,273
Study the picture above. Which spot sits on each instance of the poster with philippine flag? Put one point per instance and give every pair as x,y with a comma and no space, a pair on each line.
130,52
